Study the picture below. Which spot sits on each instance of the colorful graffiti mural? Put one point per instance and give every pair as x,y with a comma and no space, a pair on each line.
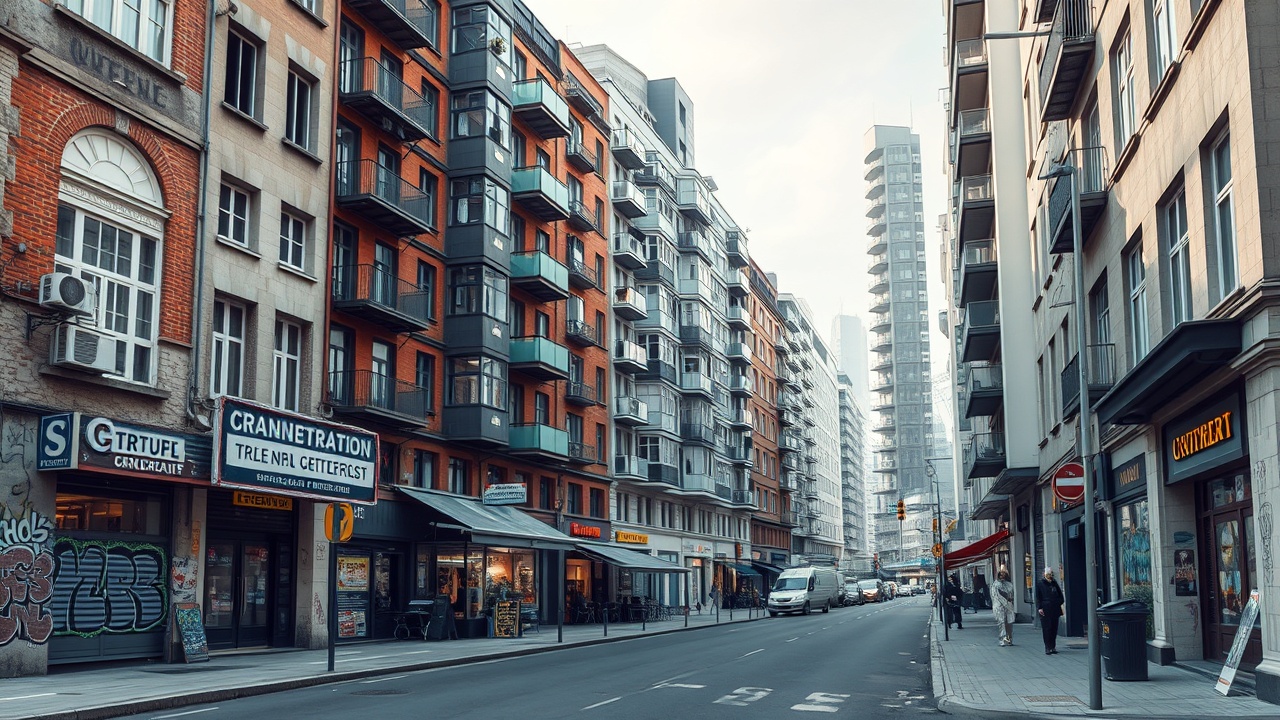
111,587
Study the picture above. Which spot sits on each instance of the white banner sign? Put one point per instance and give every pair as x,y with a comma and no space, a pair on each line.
505,494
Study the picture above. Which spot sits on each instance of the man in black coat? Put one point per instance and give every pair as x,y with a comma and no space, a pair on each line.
951,595
1049,602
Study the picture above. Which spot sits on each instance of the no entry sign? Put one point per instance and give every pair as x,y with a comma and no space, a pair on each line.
1068,483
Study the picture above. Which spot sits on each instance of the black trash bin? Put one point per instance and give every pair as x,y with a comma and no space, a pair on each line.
1124,639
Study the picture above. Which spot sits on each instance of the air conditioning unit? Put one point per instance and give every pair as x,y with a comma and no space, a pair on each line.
68,293
80,348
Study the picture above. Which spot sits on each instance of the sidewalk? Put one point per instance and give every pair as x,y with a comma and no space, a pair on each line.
103,692
974,677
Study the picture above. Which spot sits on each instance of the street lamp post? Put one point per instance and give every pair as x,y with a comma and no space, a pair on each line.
942,558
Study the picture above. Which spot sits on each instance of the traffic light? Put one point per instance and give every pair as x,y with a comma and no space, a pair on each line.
935,526
902,511
875,561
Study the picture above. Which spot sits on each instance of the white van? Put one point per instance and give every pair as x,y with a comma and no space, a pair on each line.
805,589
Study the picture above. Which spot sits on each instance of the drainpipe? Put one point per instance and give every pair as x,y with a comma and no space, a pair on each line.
193,377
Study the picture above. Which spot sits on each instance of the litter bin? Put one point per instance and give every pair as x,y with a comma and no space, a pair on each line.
1124,639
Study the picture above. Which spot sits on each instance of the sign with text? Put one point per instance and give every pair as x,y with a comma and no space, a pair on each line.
1247,619
195,646
1129,478
631,538
577,529
504,494
261,501
70,441
506,619
261,448
1204,439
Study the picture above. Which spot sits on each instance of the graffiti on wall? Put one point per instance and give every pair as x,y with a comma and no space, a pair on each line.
26,564
18,456
113,587
25,588
185,572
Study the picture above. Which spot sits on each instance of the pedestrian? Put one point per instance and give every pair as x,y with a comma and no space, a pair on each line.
1049,602
951,595
1002,606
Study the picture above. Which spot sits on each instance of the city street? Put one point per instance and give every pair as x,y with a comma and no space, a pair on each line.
868,661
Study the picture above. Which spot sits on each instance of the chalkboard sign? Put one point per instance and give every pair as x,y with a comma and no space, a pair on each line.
442,626
506,619
195,647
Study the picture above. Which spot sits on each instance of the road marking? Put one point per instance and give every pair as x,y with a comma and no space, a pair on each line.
793,639
189,712
604,702
378,680
743,696
681,685
821,702
753,652
419,652
27,697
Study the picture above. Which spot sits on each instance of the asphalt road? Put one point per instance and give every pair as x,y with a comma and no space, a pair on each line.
868,662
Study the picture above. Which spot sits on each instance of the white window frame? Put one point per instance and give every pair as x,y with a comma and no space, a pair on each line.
227,349
148,20
1224,214
298,96
1126,103
1166,36
1136,280
295,233
249,49
1179,239
229,217
286,361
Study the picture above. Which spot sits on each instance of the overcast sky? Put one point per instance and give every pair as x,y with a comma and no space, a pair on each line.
784,94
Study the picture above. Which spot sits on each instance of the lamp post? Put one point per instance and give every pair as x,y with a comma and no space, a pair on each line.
942,558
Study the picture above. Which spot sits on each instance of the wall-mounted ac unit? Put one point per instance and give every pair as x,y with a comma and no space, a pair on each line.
68,293
80,348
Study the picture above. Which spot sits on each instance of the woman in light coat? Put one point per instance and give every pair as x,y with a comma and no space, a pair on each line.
1002,606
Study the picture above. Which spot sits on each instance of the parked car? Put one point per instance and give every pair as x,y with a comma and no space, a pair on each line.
802,590
853,593
872,590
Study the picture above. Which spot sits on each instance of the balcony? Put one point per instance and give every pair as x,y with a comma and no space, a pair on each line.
745,498
630,411
693,382
739,283
882,342
540,275
1101,374
656,174
977,208
876,227
407,23
693,240
978,271
540,358
658,271
968,75
784,374
379,94
580,157
580,394
538,440
810,439
790,442
973,142
377,398
381,196
1067,56
880,303
790,518
581,332
540,108
739,454
540,194
883,382
741,419
698,432
986,390
655,222
881,322
582,453
629,304
738,352
627,199
740,386
1093,172
981,330
874,166
630,467
879,283
627,149
791,462
578,96
628,252
581,218
375,294
879,264
663,473
581,275
692,200
738,317
885,426
630,357
986,456
735,247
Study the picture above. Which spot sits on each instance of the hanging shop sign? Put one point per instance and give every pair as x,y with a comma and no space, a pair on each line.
631,538
72,441
583,530
1129,478
261,448
505,494
1204,439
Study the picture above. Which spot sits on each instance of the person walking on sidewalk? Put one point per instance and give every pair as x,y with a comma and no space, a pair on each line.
1002,606
1049,602
951,595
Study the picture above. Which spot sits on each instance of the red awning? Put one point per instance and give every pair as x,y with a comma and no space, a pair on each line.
973,552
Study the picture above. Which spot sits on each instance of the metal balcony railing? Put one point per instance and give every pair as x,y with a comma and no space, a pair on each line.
368,390
976,187
1100,374
975,122
1072,23
970,52
988,376
378,286
383,196
380,92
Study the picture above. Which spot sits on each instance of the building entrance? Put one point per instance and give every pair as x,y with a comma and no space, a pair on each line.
1229,569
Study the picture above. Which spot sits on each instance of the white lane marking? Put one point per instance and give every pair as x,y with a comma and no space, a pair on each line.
604,702
680,685
27,697
821,702
189,712
753,652
378,680
744,695
419,652
793,639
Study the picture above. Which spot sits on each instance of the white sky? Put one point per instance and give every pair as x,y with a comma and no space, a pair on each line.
783,94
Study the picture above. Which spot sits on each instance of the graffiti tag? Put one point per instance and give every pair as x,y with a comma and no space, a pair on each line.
31,530
108,587
25,588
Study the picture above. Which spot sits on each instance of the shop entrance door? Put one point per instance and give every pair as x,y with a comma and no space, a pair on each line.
237,606
1226,539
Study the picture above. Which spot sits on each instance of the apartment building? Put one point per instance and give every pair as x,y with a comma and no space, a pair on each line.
774,485
812,446
853,491
102,449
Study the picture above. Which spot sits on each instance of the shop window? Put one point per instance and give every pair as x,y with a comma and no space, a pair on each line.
109,511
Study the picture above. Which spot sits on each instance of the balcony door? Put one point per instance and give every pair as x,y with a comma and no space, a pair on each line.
344,261
381,375
350,51
346,156
340,359
388,180
382,288
390,84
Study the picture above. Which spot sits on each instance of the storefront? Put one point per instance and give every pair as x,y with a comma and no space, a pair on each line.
1131,520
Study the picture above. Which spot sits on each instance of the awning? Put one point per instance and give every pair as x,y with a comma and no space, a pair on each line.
492,524
765,567
629,559
1011,480
741,568
1186,355
979,550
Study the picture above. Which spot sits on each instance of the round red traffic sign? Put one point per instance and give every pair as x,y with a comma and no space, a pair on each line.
1068,483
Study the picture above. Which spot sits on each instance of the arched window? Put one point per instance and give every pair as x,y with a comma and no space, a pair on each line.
110,228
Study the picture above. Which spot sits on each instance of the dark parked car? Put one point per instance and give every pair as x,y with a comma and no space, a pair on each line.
853,594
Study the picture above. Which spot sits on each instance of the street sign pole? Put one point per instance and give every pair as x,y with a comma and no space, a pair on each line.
335,532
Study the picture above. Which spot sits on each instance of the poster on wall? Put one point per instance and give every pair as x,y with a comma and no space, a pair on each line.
353,596
1184,573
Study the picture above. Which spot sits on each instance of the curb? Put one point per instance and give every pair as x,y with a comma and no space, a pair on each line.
101,712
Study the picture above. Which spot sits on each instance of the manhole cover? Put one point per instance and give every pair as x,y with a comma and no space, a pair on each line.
1052,699
381,692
